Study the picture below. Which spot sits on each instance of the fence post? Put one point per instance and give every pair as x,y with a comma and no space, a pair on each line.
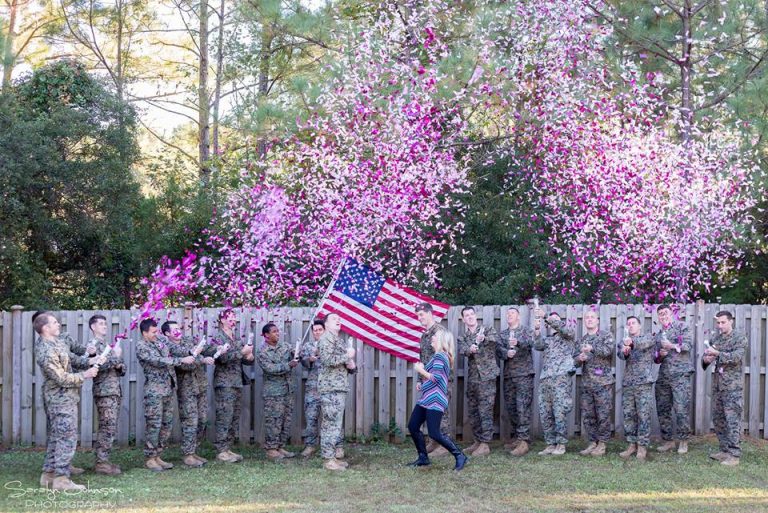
700,421
16,386
187,320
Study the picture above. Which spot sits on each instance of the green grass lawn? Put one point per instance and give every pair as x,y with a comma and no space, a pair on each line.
378,480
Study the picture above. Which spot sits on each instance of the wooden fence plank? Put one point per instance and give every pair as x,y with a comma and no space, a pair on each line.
755,322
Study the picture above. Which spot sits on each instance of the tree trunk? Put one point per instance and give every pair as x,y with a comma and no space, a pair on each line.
219,69
266,53
686,106
202,97
9,58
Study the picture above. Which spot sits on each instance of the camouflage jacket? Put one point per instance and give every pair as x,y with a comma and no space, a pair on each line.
274,361
425,346
333,376
158,361
229,366
558,350
107,381
522,363
60,385
482,365
638,367
191,378
729,364
78,356
313,368
676,363
598,369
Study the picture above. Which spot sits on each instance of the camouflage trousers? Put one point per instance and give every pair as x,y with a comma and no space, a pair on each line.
61,437
108,409
193,416
518,398
278,414
481,396
674,395
312,414
158,416
596,403
637,407
332,404
555,403
227,416
728,404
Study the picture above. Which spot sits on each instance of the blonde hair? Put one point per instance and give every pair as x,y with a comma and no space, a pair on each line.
445,343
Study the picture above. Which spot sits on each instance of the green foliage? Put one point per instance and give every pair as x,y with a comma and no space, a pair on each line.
66,150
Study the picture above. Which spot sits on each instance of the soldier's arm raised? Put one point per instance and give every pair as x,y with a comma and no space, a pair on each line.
333,354
604,346
270,365
52,368
502,345
151,358
685,340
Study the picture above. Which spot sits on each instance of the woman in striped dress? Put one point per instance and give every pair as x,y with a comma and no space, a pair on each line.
434,400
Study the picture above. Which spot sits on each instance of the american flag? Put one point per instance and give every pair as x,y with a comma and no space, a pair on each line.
378,311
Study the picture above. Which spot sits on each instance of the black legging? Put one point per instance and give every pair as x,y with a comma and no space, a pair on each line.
432,418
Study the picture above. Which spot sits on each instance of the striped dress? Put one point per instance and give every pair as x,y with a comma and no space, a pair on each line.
434,392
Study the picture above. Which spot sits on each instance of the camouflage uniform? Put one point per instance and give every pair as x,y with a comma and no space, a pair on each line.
425,354
555,401
333,385
673,387
481,381
192,394
158,362
277,393
311,395
61,395
107,394
518,379
228,381
78,356
597,385
637,389
728,390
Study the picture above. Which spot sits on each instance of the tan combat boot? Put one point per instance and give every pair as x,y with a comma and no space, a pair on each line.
719,456
599,450
731,461
224,457
332,464
472,447
308,451
629,451
339,453
275,455
190,461
116,469
521,449
482,450
547,450
559,450
511,444
75,471
642,453
46,479
666,446
154,465
106,468
235,456
682,447
287,454
63,483
164,464
439,451
591,447
431,446
202,460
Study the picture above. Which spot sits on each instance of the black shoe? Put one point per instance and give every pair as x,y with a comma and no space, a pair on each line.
422,461
461,460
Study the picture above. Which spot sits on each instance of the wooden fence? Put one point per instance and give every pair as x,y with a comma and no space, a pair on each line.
382,391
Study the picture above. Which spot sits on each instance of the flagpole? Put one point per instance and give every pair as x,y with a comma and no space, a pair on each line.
322,300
